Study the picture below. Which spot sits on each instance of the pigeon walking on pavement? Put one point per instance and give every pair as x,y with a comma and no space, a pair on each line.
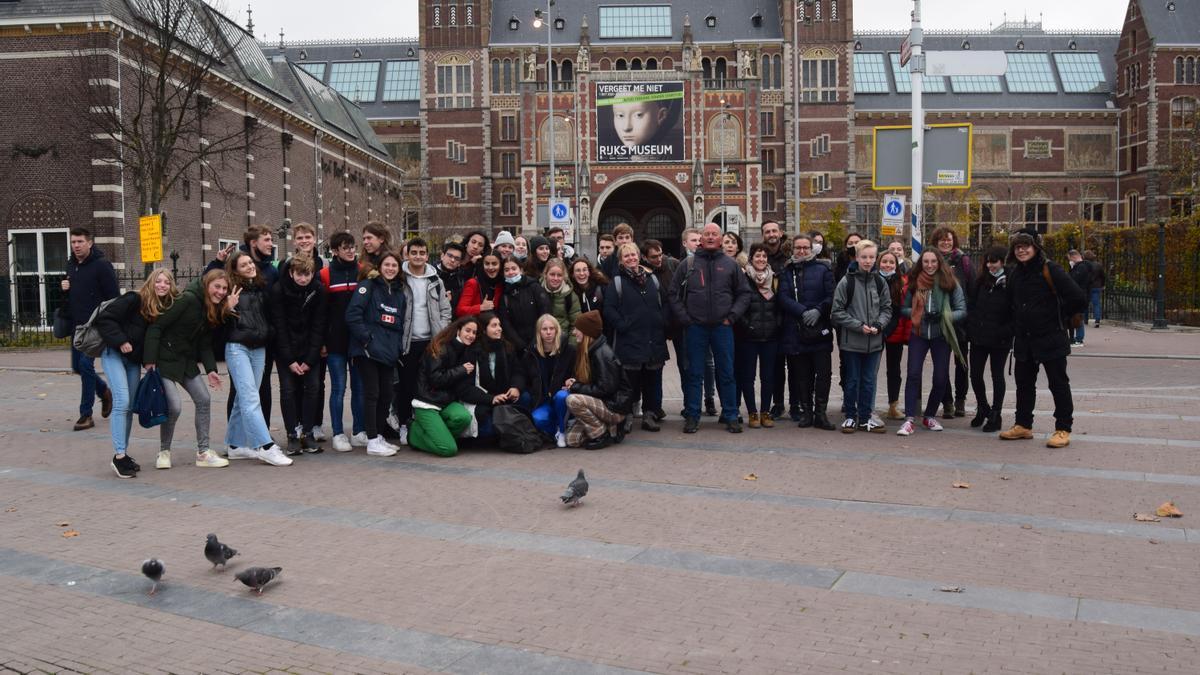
217,553
575,490
258,577
153,569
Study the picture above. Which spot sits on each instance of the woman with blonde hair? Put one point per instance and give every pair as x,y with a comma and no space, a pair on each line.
181,337
563,303
550,357
122,324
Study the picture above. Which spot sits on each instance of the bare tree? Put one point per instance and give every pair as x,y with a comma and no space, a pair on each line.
162,125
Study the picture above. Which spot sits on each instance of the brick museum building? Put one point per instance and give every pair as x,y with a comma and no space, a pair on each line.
662,115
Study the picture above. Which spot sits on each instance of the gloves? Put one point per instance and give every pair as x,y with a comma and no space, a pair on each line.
811,317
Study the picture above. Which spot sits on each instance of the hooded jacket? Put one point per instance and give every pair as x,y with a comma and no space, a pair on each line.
804,286
181,337
298,315
870,305
375,319
709,289
92,282
340,279
1039,326
637,321
436,304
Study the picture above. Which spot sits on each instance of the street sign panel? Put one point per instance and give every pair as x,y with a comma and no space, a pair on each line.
892,221
947,159
905,51
966,63
560,212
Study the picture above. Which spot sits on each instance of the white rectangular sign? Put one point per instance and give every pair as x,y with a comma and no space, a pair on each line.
966,62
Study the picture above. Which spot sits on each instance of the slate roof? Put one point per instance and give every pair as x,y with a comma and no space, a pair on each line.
342,51
1172,22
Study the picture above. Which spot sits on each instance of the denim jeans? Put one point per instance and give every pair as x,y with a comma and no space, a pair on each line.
756,357
1095,303
700,341
93,384
338,363
1077,334
859,387
246,428
123,378
939,351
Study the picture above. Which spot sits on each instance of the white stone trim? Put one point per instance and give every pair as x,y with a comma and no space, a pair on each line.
108,214
205,205
109,240
250,214
109,161
107,188
206,226
105,136
104,82
205,247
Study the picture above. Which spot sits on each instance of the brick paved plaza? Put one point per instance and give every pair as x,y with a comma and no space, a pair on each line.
833,560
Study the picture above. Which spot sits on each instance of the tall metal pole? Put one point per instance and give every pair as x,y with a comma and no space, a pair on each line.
724,137
917,68
549,21
796,108
1160,291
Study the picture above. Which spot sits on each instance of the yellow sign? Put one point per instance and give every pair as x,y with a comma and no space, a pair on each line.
151,237
889,230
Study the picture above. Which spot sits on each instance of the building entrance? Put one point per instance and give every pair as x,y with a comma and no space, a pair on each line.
652,209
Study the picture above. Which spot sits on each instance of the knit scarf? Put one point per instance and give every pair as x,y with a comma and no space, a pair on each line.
925,282
764,280
637,273
803,258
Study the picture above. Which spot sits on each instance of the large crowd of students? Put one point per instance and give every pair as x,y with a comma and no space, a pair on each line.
434,352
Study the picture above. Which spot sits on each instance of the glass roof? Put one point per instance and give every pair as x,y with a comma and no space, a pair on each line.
635,21
248,53
355,80
976,84
1080,72
870,74
317,70
929,85
1030,73
325,100
401,81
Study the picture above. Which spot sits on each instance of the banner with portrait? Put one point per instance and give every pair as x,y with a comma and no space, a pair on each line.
639,122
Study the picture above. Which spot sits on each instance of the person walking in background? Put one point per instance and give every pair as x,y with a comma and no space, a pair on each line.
989,325
92,277
934,302
756,338
945,239
340,279
898,333
180,338
862,306
297,304
1099,280
806,339
1043,299
1081,273
375,320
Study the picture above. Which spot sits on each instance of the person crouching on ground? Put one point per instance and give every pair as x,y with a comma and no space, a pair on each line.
599,396
447,365
551,358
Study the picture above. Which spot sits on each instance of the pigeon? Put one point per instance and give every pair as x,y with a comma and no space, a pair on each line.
576,490
217,553
259,577
153,569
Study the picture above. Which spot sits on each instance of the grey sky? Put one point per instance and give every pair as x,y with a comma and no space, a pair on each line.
313,19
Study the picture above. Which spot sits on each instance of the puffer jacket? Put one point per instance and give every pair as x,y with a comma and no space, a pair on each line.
375,319
298,318
121,322
609,382
989,313
473,295
250,323
1040,331
709,289
762,320
804,286
869,304
565,308
439,378
636,319
340,279
181,337
522,304
931,323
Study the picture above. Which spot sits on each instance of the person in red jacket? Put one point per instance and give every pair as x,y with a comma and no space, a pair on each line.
483,291
889,269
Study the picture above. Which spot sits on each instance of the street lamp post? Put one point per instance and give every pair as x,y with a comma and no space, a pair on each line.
538,19
724,139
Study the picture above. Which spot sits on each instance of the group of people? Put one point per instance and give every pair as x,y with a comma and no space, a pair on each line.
498,336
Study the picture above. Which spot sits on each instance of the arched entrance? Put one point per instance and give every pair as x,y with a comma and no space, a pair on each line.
651,205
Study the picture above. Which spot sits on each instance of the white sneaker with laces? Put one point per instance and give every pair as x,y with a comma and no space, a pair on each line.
341,443
393,421
560,439
876,425
931,424
849,426
242,453
359,440
380,448
403,440
907,428
274,456
163,461
209,459
318,435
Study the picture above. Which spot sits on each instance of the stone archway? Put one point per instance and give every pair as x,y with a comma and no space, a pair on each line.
645,201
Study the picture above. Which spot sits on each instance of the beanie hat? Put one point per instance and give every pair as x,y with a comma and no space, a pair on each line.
590,324
538,240
505,237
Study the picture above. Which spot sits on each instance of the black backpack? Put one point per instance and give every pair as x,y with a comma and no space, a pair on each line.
515,431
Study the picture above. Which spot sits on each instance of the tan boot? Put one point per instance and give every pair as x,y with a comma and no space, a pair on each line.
753,420
766,420
1059,439
1016,433
893,412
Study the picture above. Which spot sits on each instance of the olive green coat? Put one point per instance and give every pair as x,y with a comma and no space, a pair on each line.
180,338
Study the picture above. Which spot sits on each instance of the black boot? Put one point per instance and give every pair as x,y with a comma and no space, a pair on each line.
993,422
293,446
821,421
982,412
804,416
710,407
960,407
309,445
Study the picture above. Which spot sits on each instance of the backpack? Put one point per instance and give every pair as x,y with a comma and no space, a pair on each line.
87,337
881,287
1076,319
515,431
150,401
617,286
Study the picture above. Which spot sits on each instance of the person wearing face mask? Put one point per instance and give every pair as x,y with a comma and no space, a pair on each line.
820,250
806,339
989,325
520,248
447,365
524,300
897,331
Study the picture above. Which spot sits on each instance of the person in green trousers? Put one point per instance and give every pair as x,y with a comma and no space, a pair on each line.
448,364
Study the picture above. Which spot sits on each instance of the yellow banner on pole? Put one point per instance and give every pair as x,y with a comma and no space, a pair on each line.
151,238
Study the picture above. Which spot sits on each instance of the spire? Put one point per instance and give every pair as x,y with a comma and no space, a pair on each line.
249,19
281,37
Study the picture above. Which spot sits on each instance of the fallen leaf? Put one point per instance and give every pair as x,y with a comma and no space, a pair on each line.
1096,411
70,533
1145,518
962,485
10,509
750,476
1152,541
194,505
44,431
62,523
952,589
41,396
1005,478
1169,510
1026,526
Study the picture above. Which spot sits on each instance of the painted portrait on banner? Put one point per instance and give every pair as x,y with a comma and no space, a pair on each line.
639,122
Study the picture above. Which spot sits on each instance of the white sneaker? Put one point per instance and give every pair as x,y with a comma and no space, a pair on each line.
359,440
393,421
403,435
274,456
380,448
341,443
875,425
318,435
931,424
637,409
242,453
849,426
907,428
560,439
209,459
164,460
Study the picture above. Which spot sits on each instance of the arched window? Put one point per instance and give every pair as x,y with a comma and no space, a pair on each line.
1183,125
1037,210
621,65
636,64
667,63
651,64
1190,70
495,76
1131,209
765,71
706,67
568,71
719,69
509,79
613,218
564,140
1179,70
777,67
605,64
661,224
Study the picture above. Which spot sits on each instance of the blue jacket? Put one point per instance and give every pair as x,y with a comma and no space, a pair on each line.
375,318
804,286
92,282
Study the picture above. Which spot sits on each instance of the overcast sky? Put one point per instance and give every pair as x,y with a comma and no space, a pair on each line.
313,19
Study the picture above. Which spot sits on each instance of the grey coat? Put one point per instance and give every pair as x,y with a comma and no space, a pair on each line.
931,323
870,306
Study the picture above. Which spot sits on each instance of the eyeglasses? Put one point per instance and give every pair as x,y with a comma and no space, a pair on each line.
453,256
802,248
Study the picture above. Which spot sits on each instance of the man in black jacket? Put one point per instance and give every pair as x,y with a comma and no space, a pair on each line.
90,281
449,268
1043,299
779,254
708,295
340,279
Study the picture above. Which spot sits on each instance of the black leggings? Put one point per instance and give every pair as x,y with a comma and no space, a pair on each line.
377,392
958,393
894,352
979,356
